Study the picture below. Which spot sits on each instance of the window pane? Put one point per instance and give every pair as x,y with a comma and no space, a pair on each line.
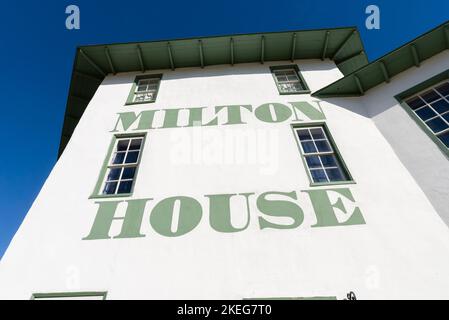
430,96
425,113
135,144
335,175
109,188
446,116
308,147
415,103
290,87
141,88
128,173
132,157
304,135
118,158
317,133
444,138
318,176
329,160
437,125
323,146
140,97
313,162
125,187
114,174
281,78
440,106
122,145
443,89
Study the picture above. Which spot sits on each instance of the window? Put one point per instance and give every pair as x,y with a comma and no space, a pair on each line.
321,158
122,167
432,108
119,170
144,89
289,80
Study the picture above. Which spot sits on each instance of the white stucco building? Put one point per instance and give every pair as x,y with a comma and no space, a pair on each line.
275,165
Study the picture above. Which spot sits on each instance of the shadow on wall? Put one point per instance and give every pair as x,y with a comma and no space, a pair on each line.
353,104
224,70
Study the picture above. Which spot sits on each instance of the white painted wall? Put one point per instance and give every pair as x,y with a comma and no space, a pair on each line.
421,156
401,252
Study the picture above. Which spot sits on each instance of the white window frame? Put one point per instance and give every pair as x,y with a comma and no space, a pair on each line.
429,105
148,91
296,72
122,166
132,97
341,165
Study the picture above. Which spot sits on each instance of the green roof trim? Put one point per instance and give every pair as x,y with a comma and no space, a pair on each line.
383,69
92,63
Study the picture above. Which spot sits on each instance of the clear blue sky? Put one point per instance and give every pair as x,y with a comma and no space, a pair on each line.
37,54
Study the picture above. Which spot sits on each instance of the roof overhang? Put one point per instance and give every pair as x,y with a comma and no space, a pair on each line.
93,63
383,69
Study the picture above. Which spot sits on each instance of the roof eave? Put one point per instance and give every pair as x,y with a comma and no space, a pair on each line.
93,62
411,54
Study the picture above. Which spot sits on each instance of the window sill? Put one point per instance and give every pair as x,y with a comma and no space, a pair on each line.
107,196
143,102
325,184
297,92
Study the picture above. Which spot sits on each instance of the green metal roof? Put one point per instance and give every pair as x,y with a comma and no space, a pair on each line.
93,63
388,66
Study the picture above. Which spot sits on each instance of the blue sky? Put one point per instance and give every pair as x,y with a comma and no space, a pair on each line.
38,51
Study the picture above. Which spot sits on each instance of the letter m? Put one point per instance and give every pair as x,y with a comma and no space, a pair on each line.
127,119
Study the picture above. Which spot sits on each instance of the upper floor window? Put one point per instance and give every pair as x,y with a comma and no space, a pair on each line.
144,89
122,167
324,163
432,108
119,171
289,80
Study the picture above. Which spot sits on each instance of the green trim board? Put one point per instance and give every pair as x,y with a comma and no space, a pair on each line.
322,124
96,194
130,100
401,97
410,55
85,294
298,73
92,63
